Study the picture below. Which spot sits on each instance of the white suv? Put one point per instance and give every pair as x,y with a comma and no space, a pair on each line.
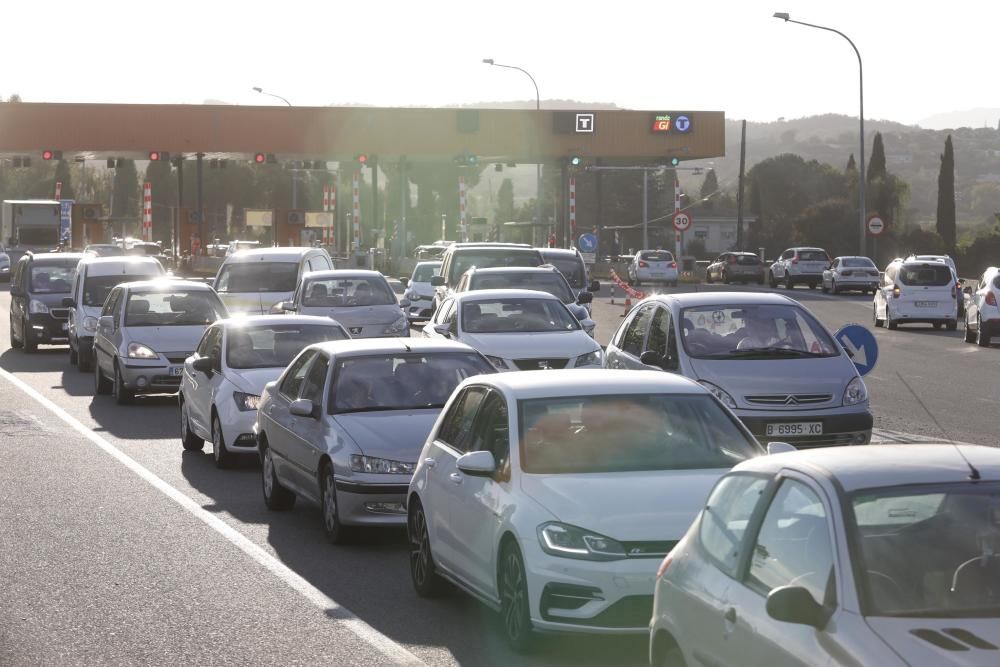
799,265
914,291
982,314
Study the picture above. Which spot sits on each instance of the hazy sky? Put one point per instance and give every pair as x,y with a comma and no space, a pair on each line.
729,55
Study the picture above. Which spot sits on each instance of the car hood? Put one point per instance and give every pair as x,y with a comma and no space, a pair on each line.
398,435
252,380
755,377
356,316
252,303
924,649
549,344
166,339
629,506
425,290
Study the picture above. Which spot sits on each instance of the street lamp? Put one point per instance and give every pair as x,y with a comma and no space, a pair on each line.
861,115
262,92
538,107
295,180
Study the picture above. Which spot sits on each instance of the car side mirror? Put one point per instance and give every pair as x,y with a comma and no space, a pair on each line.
405,282
106,324
477,464
437,281
404,303
443,329
288,306
653,358
203,365
302,407
67,302
595,286
779,447
794,604
584,298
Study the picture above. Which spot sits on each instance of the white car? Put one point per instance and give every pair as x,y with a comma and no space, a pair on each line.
419,291
914,291
252,282
851,273
516,329
885,555
552,496
361,300
982,313
653,266
799,265
224,378
954,269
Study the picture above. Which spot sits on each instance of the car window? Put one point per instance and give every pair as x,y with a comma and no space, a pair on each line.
258,277
659,332
203,345
456,426
423,274
636,333
441,316
315,380
295,374
112,301
491,433
51,278
925,275
754,331
516,314
349,291
725,517
793,544
747,260
813,256
274,346
180,308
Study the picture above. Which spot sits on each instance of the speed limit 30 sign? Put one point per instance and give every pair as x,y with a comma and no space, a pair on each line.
682,221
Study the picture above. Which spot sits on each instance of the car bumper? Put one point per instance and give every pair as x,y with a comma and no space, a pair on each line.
420,309
237,426
945,311
151,377
840,426
852,282
369,504
667,276
46,329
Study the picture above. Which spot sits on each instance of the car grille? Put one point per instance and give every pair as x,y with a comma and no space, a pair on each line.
540,364
168,380
633,611
788,399
811,442
59,313
176,357
657,549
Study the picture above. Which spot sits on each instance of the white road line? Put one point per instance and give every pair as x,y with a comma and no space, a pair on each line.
340,614
887,437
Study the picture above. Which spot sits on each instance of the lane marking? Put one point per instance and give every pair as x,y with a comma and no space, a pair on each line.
888,437
340,614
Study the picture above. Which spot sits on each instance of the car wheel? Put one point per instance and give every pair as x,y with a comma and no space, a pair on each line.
29,345
101,384
938,325
772,280
788,282
85,361
708,277
122,394
223,457
14,342
514,609
725,278
276,497
74,356
669,656
890,323
875,318
426,581
983,338
812,285
951,325
191,442
970,335
335,532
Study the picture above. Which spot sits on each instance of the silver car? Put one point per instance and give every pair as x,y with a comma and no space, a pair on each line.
362,301
343,425
851,273
146,331
763,355
419,291
883,555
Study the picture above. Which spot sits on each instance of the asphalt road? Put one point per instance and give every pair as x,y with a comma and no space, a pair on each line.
120,548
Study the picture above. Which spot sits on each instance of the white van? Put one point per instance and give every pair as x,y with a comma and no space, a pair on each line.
914,291
250,282
95,277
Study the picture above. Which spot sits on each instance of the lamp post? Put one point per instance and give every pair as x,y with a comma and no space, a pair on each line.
262,92
861,115
295,180
538,107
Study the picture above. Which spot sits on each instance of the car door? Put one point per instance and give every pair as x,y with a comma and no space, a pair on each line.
633,340
792,545
974,303
18,298
477,513
308,440
204,384
105,350
278,420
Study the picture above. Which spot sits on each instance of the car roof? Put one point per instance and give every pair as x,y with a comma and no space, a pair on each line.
489,270
429,262
258,320
807,247
277,254
694,299
62,256
97,265
871,466
167,284
492,294
491,244
344,273
559,252
366,346
583,382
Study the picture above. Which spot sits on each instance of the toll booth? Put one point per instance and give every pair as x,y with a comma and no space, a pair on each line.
288,226
87,225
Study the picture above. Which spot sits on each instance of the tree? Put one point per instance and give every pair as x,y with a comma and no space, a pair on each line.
946,197
125,193
64,176
505,202
709,186
876,164
831,224
884,192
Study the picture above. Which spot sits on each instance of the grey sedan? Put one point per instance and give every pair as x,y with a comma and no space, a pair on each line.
362,301
344,424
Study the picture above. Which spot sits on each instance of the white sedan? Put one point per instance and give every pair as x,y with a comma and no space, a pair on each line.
884,555
554,495
653,266
223,379
516,329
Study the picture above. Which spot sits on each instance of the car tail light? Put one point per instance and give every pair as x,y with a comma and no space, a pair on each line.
642,264
673,265
954,292
664,565
991,299
896,292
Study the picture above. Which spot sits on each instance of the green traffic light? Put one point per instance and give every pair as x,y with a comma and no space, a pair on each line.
674,161
575,160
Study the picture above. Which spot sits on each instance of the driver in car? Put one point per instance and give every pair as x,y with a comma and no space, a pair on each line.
757,334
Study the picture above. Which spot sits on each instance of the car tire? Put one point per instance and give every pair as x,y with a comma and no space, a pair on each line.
515,612
85,362
875,318
276,497
725,278
938,325
74,356
336,533
951,325
670,656
122,394
29,345
970,335
890,323
101,384
14,342
190,441
788,282
708,277
223,457
812,285
772,281
983,337
426,581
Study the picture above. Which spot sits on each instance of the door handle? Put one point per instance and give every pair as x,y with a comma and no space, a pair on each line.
455,477
429,462
730,615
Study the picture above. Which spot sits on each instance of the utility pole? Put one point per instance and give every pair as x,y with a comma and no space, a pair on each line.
739,189
198,188
645,209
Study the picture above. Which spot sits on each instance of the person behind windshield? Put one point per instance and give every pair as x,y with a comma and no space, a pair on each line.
758,333
362,294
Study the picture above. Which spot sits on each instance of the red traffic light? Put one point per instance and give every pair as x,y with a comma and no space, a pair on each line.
51,155
154,156
361,158
259,158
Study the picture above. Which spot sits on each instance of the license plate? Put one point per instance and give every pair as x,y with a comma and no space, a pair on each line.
925,304
795,428
659,274
176,371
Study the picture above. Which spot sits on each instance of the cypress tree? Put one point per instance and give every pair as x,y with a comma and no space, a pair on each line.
946,197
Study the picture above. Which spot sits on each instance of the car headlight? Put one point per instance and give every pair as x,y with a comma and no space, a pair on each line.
371,464
594,358
90,324
497,361
566,541
397,327
140,351
856,392
36,307
246,402
719,393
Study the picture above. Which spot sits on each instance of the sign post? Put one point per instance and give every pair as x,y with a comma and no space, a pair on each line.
875,227
356,215
147,211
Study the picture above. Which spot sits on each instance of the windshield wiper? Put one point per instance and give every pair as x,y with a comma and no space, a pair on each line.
765,352
369,408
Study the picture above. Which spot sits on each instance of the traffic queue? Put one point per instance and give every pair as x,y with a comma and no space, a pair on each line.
650,487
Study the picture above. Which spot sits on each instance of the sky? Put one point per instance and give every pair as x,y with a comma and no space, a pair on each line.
920,59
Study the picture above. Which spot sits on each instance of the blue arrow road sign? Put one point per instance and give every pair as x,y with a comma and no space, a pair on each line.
587,243
860,345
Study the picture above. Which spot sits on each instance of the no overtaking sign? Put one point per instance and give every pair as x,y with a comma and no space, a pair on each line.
875,225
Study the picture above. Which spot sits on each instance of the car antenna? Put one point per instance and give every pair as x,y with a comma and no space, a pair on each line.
973,472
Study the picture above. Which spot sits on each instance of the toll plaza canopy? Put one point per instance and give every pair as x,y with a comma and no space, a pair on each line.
98,131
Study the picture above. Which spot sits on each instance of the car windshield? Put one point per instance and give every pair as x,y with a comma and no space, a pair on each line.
612,433
463,260
857,263
342,292
925,275
402,381
274,346
656,256
258,277
550,282
570,267
52,278
517,315
929,550
423,274
96,288
105,250
754,331
180,308
747,260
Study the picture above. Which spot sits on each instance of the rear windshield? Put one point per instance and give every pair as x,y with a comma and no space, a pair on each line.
748,260
96,288
487,257
857,262
571,267
925,275
813,256
656,256
550,282
258,277
337,292
52,278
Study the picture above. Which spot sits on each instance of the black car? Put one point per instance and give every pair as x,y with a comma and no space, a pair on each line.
37,288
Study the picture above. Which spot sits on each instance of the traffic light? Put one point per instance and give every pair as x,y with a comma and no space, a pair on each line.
51,155
361,159
261,158
466,160
575,161
674,161
156,156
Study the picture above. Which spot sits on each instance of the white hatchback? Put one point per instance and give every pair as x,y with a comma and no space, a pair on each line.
552,496
653,266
